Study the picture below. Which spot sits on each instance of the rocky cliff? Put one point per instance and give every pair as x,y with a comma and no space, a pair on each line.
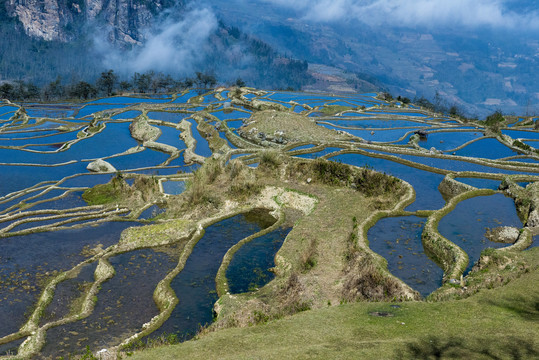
123,21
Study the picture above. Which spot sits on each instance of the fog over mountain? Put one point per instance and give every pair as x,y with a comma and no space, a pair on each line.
435,14
79,40
480,55
173,44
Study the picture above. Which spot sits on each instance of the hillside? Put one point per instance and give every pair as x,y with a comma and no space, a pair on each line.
507,319
44,41
478,62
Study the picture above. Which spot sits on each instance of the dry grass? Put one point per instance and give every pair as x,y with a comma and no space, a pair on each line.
312,266
365,180
363,280
295,127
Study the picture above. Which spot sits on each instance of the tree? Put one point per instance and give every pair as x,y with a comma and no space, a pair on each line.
424,103
125,85
188,83
240,82
6,91
107,81
142,82
19,90
83,90
404,100
161,83
454,110
54,89
32,91
205,81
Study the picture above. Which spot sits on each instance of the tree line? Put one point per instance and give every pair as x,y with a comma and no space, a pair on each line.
107,84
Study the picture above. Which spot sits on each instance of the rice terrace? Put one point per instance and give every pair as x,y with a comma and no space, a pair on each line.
240,223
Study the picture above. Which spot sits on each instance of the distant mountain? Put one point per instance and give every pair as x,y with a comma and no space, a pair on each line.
479,55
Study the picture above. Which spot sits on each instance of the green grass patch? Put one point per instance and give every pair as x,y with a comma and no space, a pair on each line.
334,109
111,192
117,191
156,234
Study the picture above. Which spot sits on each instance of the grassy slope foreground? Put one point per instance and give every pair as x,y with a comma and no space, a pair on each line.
500,323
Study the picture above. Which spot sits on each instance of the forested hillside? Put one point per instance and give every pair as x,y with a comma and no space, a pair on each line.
79,54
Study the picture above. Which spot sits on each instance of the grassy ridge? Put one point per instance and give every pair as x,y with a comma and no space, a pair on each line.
503,320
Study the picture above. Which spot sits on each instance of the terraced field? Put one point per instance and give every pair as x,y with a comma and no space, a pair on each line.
130,219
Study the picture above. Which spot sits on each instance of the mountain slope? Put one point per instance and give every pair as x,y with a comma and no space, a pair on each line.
43,40
481,60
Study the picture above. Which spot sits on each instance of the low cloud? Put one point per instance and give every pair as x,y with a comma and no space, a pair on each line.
175,45
454,13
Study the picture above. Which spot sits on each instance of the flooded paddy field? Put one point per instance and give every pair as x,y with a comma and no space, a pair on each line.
398,239
467,223
68,274
195,285
250,266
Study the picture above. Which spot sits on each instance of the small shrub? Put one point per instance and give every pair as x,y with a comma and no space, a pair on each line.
364,281
494,118
198,191
88,355
163,339
260,317
244,190
373,183
234,168
332,173
309,256
270,158
106,193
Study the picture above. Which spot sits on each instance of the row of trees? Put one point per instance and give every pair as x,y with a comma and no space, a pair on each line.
108,83
439,105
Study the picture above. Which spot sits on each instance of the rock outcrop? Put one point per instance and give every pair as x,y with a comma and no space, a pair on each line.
503,234
142,131
100,165
526,200
124,20
449,187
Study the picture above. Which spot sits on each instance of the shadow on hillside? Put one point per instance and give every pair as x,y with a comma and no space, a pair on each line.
434,347
525,307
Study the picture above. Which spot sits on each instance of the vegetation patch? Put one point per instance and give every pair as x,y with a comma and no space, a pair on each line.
365,180
156,234
494,269
334,109
118,191
282,127
363,280
312,266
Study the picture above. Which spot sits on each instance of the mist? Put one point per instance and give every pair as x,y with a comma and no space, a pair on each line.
493,14
176,44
